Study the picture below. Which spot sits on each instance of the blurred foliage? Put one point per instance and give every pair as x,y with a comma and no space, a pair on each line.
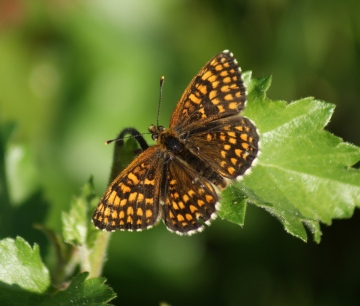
74,73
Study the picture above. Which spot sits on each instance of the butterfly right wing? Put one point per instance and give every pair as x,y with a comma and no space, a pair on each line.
216,91
229,145
131,202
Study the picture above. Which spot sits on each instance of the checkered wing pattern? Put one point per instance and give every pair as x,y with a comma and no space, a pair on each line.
189,200
131,202
216,91
207,144
229,145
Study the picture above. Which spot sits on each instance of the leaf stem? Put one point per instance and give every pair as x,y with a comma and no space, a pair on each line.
97,257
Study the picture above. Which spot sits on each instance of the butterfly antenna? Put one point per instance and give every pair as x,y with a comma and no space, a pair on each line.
130,133
161,87
134,133
126,137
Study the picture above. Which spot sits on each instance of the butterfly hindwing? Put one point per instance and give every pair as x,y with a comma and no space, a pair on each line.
188,200
229,145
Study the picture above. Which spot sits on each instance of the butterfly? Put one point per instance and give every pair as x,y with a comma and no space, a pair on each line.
207,146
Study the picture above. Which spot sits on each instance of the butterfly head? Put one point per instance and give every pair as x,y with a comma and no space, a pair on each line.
156,131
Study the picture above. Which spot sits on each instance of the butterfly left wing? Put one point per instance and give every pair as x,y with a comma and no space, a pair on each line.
216,91
131,202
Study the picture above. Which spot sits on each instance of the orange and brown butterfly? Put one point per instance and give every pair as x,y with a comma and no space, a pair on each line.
178,180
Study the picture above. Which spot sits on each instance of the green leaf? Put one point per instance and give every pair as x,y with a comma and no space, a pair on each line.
303,175
76,223
82,291
21,268
233,205
25,280
88,242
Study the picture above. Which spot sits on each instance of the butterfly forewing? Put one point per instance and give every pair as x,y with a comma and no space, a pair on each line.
216,91
131,202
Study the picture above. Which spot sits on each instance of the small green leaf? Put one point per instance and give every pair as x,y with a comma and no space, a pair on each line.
233,205
89,244
21,268
77,228
303,175
82,291
74,223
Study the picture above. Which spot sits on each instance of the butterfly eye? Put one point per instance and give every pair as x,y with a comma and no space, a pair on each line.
155,131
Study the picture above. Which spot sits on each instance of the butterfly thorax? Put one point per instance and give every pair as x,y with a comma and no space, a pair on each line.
167,139
174,146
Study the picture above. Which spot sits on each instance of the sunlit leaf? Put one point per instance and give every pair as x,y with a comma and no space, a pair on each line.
303,175
23,276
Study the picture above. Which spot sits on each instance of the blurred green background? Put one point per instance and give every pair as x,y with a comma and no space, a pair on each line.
74,73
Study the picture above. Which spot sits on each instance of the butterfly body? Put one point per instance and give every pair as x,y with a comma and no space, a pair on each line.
207,145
